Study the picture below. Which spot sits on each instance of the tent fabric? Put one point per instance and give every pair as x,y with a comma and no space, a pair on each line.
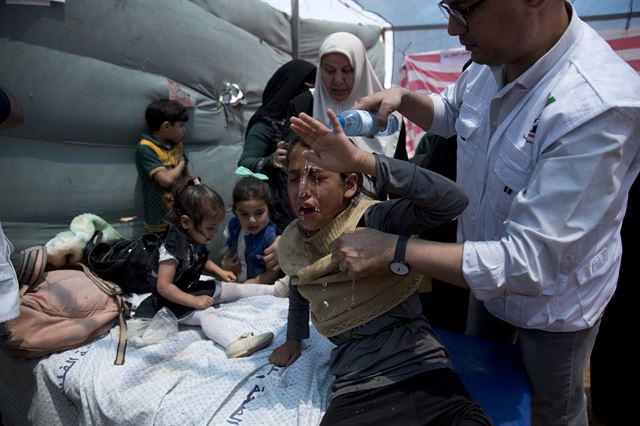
84,71
418,26
431,72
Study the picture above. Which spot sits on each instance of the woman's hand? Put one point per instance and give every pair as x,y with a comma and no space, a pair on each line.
286,354
279,156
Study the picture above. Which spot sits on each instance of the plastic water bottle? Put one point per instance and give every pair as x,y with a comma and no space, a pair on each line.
357,122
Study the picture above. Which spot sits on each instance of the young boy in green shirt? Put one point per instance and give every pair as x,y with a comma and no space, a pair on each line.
160,158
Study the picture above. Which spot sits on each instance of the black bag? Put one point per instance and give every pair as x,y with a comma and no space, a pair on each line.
125,262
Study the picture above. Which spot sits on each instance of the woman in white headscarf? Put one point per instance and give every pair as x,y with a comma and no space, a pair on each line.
346,75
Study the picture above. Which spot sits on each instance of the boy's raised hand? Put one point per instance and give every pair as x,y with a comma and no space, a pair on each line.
332,150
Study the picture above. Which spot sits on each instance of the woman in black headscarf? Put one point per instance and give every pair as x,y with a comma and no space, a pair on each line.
264,150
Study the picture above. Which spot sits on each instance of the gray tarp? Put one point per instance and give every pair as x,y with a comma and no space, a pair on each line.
84,72
418,26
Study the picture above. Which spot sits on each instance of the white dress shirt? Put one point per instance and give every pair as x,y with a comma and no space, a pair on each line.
547,161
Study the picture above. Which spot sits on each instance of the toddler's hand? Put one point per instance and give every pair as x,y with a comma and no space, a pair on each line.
228,276
286,354
203,302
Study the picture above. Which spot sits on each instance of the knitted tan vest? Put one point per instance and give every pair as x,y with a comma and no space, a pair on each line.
337,302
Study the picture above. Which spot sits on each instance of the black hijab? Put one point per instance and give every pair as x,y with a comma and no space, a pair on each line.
285,84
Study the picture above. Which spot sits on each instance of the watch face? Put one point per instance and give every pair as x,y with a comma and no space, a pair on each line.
399,268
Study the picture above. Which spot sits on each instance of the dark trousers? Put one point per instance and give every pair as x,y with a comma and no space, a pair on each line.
612,360
435,397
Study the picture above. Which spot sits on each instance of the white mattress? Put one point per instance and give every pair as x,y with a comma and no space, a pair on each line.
188,380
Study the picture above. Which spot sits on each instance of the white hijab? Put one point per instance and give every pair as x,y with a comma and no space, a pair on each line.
365,82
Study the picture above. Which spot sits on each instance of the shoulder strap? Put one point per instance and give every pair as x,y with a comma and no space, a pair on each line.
124,307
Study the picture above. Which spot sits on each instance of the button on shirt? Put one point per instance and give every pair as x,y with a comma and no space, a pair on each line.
547,161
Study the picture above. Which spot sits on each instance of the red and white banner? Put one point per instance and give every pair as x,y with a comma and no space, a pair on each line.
428,73
431,72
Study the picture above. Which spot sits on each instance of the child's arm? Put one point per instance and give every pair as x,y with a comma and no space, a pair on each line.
269,276
167,177
167,289
297,330
224,275
258,154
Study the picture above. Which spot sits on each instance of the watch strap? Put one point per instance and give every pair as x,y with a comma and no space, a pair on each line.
401,248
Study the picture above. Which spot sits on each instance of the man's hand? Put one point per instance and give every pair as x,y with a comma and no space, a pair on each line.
384,102
363,252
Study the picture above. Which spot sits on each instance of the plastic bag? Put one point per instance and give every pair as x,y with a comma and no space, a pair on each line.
163,326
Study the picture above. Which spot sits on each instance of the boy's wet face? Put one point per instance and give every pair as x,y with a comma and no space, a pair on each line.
316,195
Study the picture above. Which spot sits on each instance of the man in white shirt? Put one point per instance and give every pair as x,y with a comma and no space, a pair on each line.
548,125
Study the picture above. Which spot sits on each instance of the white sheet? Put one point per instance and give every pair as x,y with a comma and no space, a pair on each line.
188,380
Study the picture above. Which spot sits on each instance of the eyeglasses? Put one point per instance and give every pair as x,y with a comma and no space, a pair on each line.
461,16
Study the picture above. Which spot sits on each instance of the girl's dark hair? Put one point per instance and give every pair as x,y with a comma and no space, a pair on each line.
162,110
294,139
251,188
189,196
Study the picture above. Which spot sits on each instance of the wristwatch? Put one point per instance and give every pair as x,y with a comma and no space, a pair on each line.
399,266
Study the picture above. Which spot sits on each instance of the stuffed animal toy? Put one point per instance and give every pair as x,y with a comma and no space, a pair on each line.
66,247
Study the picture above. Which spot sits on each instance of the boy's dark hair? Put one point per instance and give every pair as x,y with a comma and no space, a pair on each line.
251,188
162,110
189,196
294,139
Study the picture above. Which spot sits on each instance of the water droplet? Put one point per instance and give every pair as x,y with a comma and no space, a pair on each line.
325,303
303,180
